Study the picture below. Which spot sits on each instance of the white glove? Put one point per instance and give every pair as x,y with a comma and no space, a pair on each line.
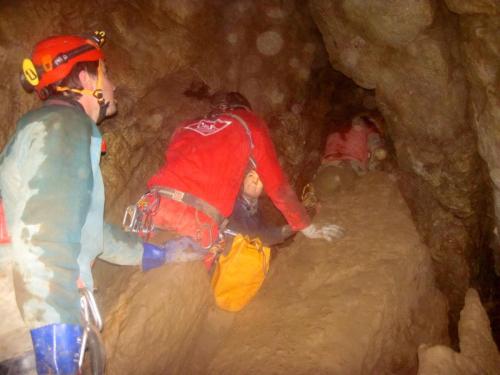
327,232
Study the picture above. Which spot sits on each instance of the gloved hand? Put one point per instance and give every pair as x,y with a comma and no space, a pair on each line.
327,232
182,249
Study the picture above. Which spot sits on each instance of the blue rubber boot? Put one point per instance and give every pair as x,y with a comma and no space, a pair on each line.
57,348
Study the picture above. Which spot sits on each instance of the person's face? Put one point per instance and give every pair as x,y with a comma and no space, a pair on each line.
252,185
108,89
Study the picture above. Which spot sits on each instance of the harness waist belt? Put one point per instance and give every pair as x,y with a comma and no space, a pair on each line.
191,200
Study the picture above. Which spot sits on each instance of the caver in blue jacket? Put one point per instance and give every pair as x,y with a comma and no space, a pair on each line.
53,196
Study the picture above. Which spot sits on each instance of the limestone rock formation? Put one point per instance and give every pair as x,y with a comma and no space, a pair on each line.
157,52
363,304
360,305
432,69
478,352
152,318
479,25
15,338
412,55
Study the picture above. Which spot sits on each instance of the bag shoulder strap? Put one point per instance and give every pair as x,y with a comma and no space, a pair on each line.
245,126
249,134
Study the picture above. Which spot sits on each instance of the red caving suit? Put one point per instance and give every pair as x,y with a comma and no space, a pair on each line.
208,158
356,144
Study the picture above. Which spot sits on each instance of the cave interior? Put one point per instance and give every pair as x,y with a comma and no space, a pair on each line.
428,70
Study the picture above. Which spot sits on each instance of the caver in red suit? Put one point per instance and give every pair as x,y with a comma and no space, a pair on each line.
355,143
208,157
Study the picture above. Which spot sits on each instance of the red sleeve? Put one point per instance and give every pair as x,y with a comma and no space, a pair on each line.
275,182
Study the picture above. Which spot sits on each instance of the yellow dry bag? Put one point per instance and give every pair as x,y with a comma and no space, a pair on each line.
239,275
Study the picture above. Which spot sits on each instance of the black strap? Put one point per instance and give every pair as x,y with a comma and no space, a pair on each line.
192,201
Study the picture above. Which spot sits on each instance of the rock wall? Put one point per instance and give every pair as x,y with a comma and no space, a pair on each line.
414,55
166,58
479,30
478,352
435,80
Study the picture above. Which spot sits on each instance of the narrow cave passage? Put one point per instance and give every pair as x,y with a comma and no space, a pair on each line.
420,230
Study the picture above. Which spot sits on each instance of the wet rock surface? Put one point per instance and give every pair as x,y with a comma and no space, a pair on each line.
431,67
342,307
362,304
478,352
152,319
421,86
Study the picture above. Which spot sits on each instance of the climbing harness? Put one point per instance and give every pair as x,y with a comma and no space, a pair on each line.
138,218
92,325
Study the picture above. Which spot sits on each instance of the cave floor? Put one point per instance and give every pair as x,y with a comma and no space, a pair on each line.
359,305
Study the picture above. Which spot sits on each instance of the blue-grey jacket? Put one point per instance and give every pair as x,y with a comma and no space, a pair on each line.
53,196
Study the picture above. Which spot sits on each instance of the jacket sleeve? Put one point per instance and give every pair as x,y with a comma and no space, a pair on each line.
252,224
275,182
121,248
56,181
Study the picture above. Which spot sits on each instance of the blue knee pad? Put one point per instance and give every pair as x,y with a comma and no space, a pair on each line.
57,348
172,251
153,256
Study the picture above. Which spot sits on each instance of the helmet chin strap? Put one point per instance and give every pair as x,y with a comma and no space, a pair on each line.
103,108
97,93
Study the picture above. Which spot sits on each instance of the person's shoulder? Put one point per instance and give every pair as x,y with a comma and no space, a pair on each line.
252,119
51,111
245,113
58,119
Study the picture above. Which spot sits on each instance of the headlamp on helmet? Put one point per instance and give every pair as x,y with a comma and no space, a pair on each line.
54,58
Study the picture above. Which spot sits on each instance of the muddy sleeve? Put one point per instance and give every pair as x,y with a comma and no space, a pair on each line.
120,247
57,180
275,182
252,224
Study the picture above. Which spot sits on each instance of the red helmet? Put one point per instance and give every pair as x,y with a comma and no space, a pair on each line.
53,58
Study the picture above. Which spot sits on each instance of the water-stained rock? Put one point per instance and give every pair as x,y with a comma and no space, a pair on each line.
478,352
414,61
